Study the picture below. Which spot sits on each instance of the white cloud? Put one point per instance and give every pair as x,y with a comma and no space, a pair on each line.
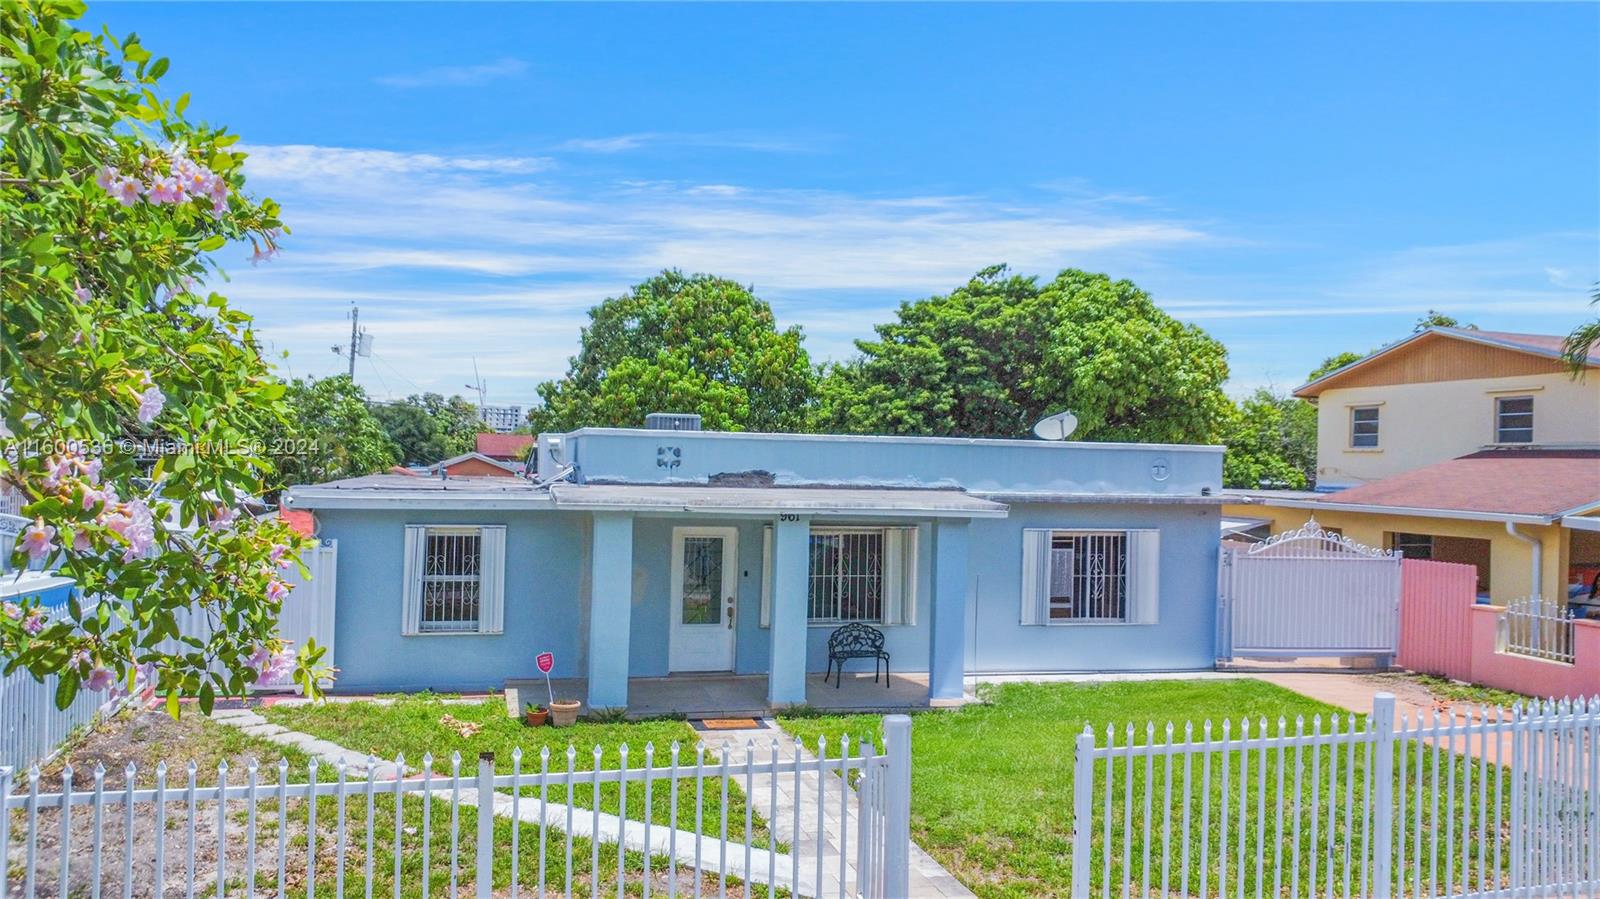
456,76
755,143
304,162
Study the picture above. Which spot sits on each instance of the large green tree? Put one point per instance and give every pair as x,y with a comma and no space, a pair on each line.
993,356
682,343
1272,442
331,433
110,202
430,428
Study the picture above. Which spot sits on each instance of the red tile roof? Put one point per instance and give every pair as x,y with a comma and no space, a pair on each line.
1550,344
1509,482
505,447
300,519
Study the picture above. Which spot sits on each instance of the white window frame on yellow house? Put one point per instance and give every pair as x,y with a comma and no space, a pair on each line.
1377,426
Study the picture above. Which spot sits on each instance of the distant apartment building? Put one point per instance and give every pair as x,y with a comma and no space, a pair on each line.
503,419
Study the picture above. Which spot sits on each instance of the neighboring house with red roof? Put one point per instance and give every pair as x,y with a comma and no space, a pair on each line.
476,465
504,447
1477,447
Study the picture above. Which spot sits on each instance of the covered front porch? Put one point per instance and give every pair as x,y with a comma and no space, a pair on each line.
705,600
743,695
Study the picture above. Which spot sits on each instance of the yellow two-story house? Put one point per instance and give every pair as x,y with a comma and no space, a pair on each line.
1468,446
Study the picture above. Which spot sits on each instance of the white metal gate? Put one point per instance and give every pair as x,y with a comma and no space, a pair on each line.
1308,592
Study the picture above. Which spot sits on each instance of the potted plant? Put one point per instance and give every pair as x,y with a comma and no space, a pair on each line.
564,712
535,714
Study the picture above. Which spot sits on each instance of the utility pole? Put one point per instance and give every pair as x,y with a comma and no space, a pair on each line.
360,341
355,317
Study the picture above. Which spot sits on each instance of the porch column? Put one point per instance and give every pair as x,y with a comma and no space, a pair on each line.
610,605
947,642
791,566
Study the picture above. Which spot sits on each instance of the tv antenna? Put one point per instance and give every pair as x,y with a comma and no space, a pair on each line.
479,385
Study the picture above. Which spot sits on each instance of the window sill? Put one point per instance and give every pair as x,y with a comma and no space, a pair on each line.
1091,624
452,634
1363,449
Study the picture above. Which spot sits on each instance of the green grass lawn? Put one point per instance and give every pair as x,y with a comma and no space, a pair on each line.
992,785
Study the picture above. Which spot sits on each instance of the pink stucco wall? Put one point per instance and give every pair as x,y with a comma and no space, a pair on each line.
1534,677
1435,629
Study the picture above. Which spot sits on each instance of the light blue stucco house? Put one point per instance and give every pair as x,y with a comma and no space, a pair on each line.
644,553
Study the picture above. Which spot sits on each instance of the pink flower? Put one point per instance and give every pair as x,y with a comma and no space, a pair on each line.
80,541
13,611
127,191
34,623
91,470
217,188
164,190
277,555
277,590
39,540
58,469
99,679
82,294
218,205
222,518
150,403
106,178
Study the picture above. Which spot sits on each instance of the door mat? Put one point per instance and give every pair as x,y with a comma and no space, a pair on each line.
727,724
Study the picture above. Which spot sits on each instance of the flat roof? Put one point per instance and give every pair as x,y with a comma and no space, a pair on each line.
403,491
836,501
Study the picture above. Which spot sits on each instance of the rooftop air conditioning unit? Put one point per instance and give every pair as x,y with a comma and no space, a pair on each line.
672,421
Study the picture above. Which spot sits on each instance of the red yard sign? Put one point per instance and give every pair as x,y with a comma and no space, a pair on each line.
546,661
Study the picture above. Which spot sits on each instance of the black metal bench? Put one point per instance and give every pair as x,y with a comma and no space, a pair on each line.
856,641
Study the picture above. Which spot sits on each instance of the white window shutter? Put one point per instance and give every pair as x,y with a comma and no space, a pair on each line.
766,576
1035,574
411,579
492,579
899,576
1144,576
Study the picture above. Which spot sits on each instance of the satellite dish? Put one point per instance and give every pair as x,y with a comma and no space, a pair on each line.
1056,427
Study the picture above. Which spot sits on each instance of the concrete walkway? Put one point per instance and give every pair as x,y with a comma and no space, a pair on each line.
836,840
778,803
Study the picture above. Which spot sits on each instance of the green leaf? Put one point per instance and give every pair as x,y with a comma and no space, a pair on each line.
214,242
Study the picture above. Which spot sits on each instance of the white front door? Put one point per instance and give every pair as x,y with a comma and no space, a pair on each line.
705,580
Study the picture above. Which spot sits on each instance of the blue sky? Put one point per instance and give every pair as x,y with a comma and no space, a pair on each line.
1297,179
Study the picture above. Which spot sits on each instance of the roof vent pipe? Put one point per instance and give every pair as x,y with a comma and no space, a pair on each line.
1535,593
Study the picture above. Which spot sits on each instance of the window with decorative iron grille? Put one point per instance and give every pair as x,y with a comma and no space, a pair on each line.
846,575
451,580
1088,576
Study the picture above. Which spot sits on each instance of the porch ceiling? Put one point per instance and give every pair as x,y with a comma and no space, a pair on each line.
877,502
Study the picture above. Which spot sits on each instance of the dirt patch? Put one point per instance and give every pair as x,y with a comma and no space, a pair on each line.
143,738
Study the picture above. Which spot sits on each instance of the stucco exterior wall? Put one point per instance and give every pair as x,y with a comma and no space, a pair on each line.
1510,560
544,563
1424,423
1183,638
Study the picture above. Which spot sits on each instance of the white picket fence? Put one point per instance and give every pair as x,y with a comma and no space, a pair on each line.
1537,628
527,832
1496,803
1307,592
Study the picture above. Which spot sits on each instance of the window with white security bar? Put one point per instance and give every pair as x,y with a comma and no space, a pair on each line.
853,574
1090,576
846,581
454,579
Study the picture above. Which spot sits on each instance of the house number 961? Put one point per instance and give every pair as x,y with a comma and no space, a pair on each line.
788,516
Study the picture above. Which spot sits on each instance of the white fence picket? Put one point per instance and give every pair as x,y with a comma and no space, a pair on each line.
1493,803
242,834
